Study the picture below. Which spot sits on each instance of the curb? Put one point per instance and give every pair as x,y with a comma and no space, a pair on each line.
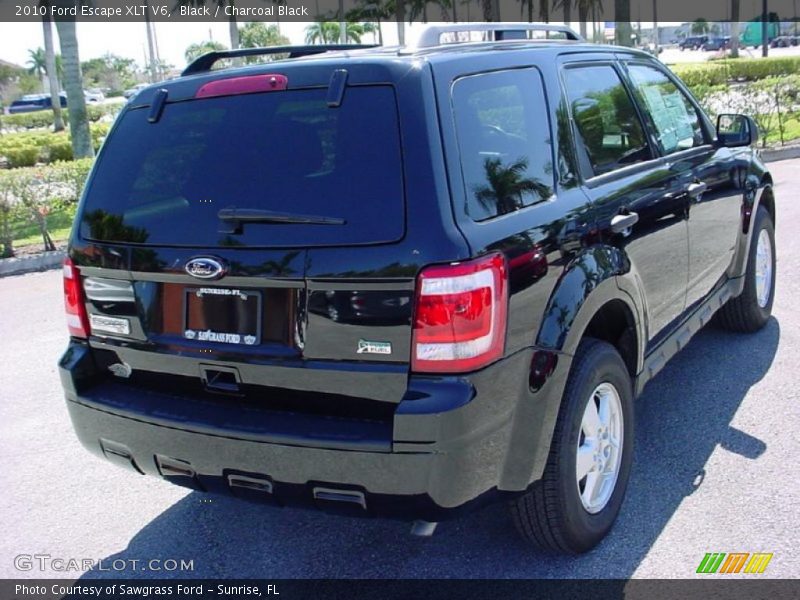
27,264
775,154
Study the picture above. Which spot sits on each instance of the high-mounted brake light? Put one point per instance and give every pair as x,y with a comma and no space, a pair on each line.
460,316
74,302
250,84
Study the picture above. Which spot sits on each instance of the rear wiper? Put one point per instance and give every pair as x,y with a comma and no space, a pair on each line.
236,217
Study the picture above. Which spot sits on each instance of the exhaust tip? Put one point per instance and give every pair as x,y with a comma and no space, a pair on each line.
423,528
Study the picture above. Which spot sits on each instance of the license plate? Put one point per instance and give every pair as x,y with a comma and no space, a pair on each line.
223,315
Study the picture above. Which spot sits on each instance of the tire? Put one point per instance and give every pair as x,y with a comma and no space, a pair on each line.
748,312
552,515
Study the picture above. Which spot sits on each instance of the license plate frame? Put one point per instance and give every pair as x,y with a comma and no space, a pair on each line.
222,297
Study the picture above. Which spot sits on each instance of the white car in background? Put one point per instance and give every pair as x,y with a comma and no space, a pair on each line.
94,96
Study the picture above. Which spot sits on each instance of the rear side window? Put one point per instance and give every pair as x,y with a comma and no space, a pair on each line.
610,134
504,142
164,183
674,118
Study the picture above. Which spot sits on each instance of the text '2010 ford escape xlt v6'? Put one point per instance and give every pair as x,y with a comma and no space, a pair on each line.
406,282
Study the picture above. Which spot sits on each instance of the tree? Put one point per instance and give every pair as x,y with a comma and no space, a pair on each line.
109,71
491,9
233,27
36,63
52,71
73,83
400,18
197,50
734,28
371,11
566,7
258,34
507,186
327,32
584,6
622,14
700,27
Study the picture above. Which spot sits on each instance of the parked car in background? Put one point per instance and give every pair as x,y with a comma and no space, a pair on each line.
94,96
785,41
717,43
34,102
694,42
131,92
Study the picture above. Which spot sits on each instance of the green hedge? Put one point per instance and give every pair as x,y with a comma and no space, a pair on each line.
44,118
25,149
740,69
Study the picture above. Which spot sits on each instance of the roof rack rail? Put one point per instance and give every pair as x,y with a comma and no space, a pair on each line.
205,62
432,35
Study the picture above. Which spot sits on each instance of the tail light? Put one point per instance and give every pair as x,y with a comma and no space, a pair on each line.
460,316
74,302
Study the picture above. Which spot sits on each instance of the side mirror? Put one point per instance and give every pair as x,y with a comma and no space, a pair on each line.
734,131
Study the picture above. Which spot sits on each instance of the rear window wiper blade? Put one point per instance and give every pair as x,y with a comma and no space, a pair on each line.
236,217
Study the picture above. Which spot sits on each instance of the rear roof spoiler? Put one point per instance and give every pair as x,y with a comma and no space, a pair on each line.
205,62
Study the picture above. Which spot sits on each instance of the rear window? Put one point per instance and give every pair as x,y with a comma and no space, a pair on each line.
164,183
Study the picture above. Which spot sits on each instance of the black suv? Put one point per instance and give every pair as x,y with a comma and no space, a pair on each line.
407,282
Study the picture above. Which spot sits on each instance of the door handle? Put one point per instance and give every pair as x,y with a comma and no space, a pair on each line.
696,189
620,223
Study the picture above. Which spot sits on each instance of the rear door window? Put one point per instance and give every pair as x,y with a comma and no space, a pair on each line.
164,183
504,141
610,134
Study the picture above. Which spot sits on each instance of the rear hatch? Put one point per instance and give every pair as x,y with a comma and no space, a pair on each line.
245,249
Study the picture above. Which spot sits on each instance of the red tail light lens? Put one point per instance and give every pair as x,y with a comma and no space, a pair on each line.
460,316
74,303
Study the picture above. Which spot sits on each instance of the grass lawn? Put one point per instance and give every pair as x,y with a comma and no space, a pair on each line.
26,231
791,130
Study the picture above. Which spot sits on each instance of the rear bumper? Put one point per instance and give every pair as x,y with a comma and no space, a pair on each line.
454,443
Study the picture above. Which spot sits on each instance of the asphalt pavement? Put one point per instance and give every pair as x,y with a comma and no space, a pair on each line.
714,471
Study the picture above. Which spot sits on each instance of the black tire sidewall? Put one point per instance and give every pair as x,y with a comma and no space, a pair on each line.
582,529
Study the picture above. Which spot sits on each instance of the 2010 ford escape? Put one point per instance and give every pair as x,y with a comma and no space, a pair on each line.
406,282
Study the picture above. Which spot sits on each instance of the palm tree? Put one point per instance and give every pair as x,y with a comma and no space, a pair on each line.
73,83
700,27
622,14
328,32
151,50
233,26
194,51
566,6
371,11
491,9
400,17
584,6
734,28
52,71
36,63
508,187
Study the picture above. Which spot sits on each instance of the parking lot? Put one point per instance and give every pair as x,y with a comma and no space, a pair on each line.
714,471
672,55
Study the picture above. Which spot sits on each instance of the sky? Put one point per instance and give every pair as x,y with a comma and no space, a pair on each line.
129,39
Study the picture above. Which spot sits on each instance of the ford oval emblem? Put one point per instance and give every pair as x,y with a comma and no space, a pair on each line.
205,267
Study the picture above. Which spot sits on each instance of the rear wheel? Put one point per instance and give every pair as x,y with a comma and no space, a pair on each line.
751,309
574,505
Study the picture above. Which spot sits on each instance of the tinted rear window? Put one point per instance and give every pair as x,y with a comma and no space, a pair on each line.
164,183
